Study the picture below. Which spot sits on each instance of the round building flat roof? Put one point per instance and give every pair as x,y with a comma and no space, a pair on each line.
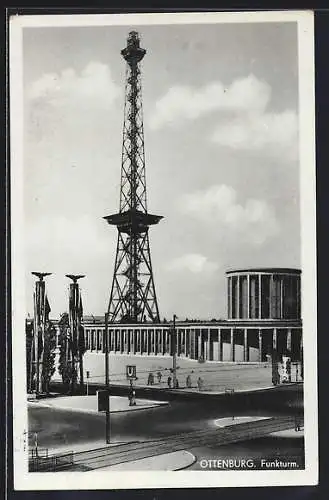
280,270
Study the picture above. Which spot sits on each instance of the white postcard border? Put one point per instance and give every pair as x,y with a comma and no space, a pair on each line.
23,480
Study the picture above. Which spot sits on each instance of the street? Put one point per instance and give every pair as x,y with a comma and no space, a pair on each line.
60,427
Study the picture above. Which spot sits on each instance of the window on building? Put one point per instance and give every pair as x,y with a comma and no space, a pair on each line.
87,339
235,297
254,296
243,297
276,297
93,340
99,340
265,296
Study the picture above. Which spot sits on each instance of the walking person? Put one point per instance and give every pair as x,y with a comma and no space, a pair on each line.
133,398
200,384
150,379
188,381
159,375
169,382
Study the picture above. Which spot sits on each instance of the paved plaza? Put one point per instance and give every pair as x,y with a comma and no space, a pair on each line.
216,377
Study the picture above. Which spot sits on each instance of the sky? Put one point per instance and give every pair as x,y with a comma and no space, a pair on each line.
220,106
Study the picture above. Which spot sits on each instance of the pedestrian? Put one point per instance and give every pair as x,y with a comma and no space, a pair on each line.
169,382
176,383
150,379
159,375
188,381
200,384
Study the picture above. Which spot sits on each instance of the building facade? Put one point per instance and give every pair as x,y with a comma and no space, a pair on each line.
264,314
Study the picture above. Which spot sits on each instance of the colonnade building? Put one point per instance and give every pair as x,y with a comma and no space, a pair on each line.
264,313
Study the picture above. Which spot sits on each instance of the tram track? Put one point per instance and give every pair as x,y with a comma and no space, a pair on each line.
127,452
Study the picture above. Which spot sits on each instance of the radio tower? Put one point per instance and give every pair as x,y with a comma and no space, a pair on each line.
133,298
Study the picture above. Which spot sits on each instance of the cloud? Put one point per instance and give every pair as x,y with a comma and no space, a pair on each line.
255,220
182,103
93,87
274,134
248,126
193,262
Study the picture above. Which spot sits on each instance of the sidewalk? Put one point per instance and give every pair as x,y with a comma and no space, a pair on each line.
88,404
177,460
288,433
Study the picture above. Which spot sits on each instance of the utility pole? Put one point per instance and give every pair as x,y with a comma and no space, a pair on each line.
107,380
174,351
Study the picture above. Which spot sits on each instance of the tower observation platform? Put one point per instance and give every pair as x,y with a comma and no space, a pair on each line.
133,298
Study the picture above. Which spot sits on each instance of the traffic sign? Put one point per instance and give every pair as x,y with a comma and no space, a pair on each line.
131,372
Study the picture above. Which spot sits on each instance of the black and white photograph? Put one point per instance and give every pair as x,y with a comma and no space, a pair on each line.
163,250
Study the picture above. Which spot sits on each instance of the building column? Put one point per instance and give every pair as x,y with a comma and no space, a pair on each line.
229,298
165,339
259,296
289,340
270,309
190,340
281,297
134,341
208,345
299,299
122,341
245,345
260,345
147,341
200,343
232,346
248,296
238,298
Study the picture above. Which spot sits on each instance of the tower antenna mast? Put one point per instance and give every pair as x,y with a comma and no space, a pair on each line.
133,298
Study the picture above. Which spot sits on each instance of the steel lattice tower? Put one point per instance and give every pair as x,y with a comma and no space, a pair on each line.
133,298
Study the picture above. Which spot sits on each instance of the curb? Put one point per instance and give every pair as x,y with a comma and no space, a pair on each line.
96,412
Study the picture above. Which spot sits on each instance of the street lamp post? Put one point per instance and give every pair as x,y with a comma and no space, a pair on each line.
107,382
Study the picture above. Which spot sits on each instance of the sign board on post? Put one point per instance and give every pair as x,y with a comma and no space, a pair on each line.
103,400
286,369
131,372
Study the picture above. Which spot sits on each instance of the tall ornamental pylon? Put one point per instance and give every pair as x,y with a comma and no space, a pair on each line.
40,319
133,298
76,344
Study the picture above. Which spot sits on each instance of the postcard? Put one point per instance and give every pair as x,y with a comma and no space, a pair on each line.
163,249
